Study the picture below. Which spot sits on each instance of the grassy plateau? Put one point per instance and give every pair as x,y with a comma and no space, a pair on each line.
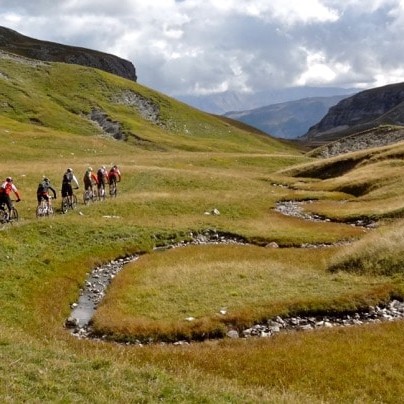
175,170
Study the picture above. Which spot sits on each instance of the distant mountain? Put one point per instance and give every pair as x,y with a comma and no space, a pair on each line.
224,102
362,111
13,42
287,120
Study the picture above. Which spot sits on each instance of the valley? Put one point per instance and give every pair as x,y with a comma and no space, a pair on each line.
186,173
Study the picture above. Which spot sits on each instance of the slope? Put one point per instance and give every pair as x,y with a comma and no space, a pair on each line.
72,98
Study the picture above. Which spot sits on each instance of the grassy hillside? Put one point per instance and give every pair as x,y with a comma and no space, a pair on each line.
175,170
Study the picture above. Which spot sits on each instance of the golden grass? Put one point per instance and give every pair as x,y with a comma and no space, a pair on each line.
166,189
158,293
379,253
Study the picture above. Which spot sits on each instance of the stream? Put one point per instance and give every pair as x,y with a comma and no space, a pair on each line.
94,289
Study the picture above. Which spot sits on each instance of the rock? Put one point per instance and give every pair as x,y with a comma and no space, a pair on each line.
233,334
72,322
272,244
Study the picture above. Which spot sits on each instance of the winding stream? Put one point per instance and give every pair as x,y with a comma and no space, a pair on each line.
100,277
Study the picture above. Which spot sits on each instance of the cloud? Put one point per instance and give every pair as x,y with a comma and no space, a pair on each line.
203,46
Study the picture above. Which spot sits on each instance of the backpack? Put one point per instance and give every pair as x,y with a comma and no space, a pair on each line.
43,187
67,177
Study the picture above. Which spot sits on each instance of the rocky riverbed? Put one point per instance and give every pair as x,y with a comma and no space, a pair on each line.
94,289
297,209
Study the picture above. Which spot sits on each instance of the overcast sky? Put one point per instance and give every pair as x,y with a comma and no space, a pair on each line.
207,46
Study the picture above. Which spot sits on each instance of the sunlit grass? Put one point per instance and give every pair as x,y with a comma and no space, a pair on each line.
160,291
192,164
379,253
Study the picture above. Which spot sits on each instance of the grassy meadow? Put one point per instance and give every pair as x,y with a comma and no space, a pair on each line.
189,164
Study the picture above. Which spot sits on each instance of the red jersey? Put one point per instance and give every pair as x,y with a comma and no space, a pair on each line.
7,188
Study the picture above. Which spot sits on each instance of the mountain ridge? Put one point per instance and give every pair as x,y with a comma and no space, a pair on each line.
369,108
13,42
288,120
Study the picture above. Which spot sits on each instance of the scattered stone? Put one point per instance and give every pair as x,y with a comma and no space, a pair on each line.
72,322
272,244
233,334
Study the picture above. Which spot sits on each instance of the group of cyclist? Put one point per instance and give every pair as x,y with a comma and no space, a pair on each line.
90,179
100,179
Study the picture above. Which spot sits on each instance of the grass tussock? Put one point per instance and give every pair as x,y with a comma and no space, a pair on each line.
379,253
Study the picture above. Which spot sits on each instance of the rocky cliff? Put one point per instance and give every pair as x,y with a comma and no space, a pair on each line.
362,111
13,42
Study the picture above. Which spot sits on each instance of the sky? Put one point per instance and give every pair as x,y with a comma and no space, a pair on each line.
203,47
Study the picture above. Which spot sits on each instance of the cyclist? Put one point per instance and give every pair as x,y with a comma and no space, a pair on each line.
89,180
68,177
102,176
42,191
114,175
5,190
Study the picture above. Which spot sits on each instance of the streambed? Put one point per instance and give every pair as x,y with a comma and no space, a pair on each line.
94,289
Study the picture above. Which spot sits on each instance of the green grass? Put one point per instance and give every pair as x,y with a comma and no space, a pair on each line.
154,296
195,163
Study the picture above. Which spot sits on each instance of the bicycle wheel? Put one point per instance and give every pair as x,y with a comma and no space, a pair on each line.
13,215
112,189
73,202
101,193
87,196
3,216
40,211
93,194
65,204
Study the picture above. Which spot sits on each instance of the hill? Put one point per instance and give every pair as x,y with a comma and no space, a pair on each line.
85,101
287,120
14,42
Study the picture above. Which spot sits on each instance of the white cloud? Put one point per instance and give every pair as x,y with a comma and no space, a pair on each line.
202,46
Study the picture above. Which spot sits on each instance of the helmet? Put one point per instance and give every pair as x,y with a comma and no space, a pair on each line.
89,169
46,179
69,170
9,179
103,167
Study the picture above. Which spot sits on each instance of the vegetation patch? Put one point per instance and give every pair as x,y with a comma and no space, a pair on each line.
198,292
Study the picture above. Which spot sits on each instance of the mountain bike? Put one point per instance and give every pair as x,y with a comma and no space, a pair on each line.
5,216
45,208
113,190
69,202
90,195
101,192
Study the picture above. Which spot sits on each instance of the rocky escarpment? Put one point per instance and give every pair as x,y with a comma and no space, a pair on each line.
364,110
375,137
13,42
